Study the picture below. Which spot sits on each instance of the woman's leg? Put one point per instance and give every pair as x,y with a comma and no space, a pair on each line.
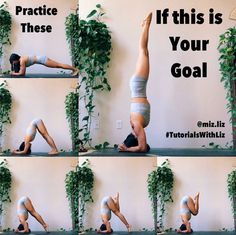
29,206
43,131
116,200
112,205
193,205
54,64
142,66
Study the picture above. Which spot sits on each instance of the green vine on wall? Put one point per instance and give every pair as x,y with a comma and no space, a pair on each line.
91,49
72,28
72,192
5,185
227,49
5,107
86,182
72,116
231,184
79,187
5,27
160,187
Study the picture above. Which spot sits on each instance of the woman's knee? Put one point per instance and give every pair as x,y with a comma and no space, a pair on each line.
34,213
194,213
116,212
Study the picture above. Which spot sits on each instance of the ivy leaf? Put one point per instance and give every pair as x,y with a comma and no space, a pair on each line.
98,146
86,118
105,145
92,13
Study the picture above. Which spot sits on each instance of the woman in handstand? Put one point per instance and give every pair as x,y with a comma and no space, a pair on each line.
19,64
25,147
188,206
25,206
140,107
109,205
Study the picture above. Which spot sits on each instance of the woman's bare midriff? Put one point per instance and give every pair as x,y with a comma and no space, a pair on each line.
139,100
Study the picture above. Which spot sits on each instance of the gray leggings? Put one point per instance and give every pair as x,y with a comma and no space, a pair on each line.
32,128
21,209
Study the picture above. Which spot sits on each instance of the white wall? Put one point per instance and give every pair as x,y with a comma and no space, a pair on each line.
53,45
207,175
176,104
43,98
41,179
128,177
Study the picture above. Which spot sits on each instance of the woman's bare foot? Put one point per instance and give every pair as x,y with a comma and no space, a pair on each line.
178,230
46,228
197,196
147,20
75,72
53,152
129,228
117,196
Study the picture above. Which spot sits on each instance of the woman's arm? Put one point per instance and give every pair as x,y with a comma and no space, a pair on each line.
22,69
26,228
103,231
142,143
108,226
187,230
27,146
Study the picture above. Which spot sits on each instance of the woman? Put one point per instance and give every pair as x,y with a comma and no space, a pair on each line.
25,147
19,64
24,206
109,205
140,107
188,206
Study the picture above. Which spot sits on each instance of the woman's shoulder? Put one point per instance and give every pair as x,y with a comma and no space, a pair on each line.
24,58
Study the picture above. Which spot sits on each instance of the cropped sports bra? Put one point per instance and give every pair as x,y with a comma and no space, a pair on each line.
138,87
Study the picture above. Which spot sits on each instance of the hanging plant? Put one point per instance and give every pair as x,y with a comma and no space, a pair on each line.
72,192
79,186
72,28
227,49
86,181
91,49
72,116
160,187
5,27
5,186
5,108
231,184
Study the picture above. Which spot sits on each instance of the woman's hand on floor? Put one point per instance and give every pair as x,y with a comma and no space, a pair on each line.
122,147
